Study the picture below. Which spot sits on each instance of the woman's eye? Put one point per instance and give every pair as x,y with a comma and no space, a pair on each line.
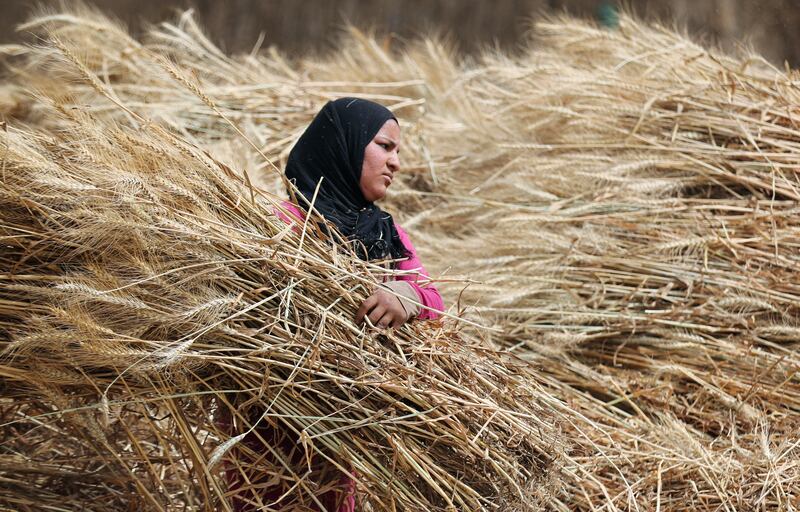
384,145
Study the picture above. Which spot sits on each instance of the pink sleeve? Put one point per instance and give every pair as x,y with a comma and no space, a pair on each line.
299,216
429,296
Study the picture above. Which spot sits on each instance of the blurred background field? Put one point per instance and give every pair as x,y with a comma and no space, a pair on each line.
299,27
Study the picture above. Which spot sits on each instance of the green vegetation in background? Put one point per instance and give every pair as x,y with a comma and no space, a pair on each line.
608,15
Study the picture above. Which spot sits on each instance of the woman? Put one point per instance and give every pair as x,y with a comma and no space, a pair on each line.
345,161
351,150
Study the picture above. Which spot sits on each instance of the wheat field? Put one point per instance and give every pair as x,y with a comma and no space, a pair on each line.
609,214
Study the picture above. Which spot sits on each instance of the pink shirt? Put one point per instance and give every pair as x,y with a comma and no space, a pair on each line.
429,296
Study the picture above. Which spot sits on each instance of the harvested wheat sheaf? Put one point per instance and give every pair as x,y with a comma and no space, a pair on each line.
623,202
148,301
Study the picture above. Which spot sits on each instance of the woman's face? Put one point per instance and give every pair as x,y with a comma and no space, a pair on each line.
381,161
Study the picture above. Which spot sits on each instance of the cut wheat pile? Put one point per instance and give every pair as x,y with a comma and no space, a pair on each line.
147,291
624,204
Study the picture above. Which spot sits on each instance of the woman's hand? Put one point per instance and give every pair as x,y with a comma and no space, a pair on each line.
383,309
390,308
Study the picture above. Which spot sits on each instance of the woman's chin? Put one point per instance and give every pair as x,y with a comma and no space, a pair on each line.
376,194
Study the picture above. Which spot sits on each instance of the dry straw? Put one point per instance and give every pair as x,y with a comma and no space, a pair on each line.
154,309
635,236
622,202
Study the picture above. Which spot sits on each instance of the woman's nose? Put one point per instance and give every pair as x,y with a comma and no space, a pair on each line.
394,162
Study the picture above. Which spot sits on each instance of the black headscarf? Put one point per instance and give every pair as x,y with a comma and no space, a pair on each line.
333,147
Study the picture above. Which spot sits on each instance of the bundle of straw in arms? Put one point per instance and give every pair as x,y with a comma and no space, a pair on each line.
147,293
624,202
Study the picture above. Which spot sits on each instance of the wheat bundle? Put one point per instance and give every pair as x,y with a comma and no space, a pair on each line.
147,290
644,327
138,72
655,273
